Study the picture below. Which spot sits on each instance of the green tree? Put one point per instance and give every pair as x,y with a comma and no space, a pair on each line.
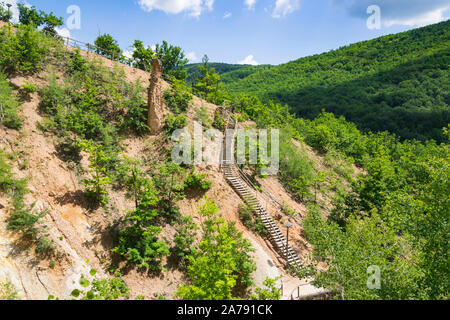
172,59
30,16
138,239
51,23
142,57
184,239
207,81
269,292
222,263
20,50
108,47
96,186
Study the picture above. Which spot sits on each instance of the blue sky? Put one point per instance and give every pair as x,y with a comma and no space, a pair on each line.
252,31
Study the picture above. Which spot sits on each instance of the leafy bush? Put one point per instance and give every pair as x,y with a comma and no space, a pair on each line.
24,220
252,221
269,292
7,290
174,123
135,118
222,265
29,87
197,181
138,239
20,51
296,170
108,47
288,210
218,123
28,223
8,183
9,106
77,63
202,116
95,187
105,289
53,96
184,239
176,100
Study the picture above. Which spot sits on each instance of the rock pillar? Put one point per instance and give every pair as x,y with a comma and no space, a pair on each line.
155,119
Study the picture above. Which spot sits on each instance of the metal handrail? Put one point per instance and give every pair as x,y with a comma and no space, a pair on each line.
70,42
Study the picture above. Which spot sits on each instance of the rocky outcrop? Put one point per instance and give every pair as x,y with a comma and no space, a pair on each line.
155,99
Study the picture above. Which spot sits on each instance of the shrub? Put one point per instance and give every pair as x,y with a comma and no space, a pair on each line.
24,220
218,123
249,218
296,170
197,181
29,87
202,116
184,239
176,100
77,63
174,123
29,50
288,210
95,187
138,240
8,291
53,96
105,289
8,183
9,106
108,47
269,292
136,111
221,268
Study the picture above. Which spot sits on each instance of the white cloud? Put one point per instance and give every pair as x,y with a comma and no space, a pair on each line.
284,7
128,54
227,15
250,4
420,20
249,60
193,7
192,57
63,32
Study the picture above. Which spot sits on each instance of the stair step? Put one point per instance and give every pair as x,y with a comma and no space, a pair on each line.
246,193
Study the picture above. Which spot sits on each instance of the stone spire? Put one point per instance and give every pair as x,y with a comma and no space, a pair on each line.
155,119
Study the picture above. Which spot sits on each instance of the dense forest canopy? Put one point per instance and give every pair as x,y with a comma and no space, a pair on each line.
397,83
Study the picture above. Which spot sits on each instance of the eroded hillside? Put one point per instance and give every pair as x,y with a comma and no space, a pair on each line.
83,235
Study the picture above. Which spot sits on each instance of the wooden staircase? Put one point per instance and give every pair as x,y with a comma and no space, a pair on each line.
247,192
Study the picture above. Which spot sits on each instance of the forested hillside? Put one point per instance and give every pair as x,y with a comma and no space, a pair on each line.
229,72
397,83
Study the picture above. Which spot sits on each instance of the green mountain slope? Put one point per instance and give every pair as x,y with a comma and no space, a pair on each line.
398,83
229,72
